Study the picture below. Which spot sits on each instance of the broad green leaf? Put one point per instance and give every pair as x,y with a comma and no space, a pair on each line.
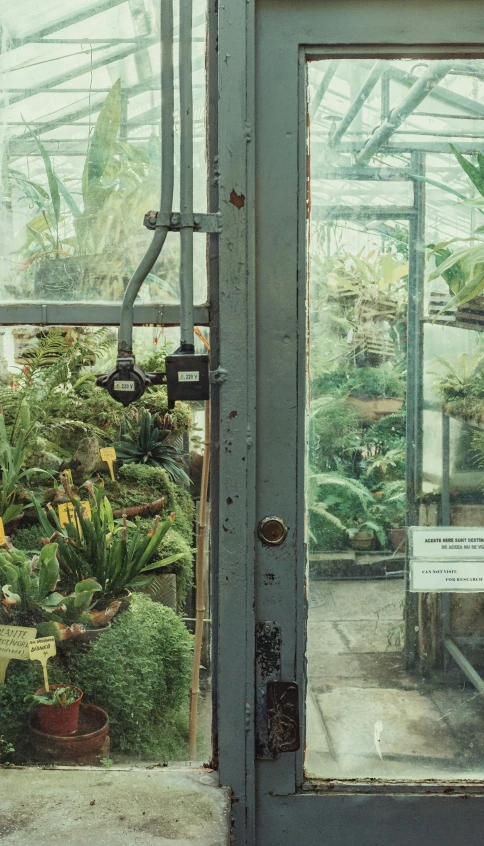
473,172
101,148
48,569
474,287
51,178
164,562
69,199
11,512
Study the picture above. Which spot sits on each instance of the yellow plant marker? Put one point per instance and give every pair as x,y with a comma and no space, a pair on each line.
14,643
41,650
108,454
2,533
67,513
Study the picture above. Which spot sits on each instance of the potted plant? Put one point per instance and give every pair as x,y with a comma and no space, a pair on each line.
58,708
77,250
362,536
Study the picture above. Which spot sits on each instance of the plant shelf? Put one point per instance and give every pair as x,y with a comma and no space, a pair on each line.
468,316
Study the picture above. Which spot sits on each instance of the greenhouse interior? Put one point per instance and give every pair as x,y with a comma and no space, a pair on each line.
120,574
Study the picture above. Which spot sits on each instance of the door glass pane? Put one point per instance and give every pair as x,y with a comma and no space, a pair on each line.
396,270
81,96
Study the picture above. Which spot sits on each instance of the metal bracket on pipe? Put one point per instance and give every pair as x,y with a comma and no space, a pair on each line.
218,376
175,222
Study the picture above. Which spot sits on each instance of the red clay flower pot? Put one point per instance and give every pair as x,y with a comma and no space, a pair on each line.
57,720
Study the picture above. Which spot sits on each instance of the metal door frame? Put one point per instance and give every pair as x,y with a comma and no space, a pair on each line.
260,342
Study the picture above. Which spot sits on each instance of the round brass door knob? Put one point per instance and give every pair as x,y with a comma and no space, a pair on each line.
272,531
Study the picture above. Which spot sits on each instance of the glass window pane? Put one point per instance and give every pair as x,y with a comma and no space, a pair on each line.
122,613
85,88
394,427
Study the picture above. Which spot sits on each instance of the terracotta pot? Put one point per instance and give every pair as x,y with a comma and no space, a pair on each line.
398,539
57,720
362,540
91,733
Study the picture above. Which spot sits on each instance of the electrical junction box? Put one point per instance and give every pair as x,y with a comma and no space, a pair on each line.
187,377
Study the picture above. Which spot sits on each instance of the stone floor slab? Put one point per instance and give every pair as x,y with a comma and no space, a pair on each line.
113,808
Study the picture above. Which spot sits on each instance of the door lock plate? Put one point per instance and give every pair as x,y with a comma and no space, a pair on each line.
283,717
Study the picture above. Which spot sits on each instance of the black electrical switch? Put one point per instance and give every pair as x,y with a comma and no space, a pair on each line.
187,377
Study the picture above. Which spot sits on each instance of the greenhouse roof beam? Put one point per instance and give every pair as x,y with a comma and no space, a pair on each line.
414,146
442,94
364,213
429,79
62,23
323,86
368,85
102,61
372,174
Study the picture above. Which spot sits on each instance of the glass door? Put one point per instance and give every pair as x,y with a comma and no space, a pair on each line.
370,175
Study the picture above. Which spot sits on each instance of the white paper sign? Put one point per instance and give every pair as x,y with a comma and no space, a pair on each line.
442,576
448,543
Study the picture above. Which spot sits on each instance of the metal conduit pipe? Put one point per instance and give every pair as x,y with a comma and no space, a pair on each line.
125,338
418,92
357,103
186,178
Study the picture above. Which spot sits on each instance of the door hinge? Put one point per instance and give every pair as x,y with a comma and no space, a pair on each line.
277,702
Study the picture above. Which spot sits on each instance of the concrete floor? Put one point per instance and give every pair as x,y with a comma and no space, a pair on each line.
166,807
363,704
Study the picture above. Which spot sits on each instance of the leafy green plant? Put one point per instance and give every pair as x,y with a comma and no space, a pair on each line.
6,748
327,490
150,446
371,526
28,586
139,671
462,267
364,382
58,697
12,464
116,555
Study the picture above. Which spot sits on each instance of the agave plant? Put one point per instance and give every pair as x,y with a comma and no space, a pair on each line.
116,554
152,447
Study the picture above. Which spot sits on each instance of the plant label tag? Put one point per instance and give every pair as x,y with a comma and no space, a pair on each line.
14,643
68,475
189,376
41,650
108,454
67,513
123,386
2,533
